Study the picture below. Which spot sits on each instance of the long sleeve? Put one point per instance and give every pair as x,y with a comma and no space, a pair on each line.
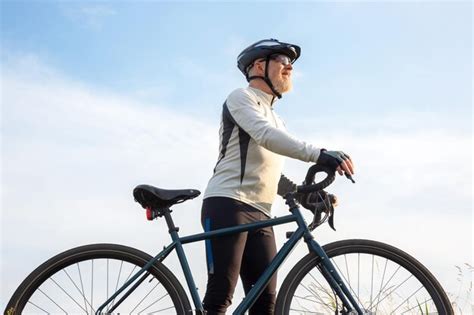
244,109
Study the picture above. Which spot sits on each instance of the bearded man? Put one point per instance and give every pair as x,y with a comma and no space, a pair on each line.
253,145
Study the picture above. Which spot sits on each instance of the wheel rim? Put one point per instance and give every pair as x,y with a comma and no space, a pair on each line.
379,284
82,287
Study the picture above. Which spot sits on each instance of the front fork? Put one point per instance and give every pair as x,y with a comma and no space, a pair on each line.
350,305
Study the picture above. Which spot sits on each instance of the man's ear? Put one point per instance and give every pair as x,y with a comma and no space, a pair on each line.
260,67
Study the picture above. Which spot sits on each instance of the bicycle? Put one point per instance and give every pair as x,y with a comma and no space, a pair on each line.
344,277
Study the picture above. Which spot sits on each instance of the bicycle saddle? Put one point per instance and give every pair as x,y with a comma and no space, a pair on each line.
156,198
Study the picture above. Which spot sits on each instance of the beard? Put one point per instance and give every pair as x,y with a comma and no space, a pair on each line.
282,84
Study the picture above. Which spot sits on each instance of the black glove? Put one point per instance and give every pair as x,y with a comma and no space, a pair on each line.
332,159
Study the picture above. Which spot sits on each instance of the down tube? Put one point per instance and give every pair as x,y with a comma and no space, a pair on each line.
257,289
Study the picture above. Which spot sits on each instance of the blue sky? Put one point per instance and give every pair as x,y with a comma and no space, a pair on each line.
100,96
155,50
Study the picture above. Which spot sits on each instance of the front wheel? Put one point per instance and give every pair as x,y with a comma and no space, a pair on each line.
80,280
382,279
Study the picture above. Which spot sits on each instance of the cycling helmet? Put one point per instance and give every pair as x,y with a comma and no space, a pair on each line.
264,49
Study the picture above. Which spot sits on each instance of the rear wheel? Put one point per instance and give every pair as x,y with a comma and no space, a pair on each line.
382,279
80,280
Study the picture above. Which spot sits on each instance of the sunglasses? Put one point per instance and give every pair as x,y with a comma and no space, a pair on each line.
283,59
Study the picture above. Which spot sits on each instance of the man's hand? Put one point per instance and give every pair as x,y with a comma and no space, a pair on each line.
338,160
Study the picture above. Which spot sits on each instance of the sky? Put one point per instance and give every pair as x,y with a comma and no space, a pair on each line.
98,97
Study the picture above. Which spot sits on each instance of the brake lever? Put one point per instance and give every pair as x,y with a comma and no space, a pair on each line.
317,218
331,217
349,177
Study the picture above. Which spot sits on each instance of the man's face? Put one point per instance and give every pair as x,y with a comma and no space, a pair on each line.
279,72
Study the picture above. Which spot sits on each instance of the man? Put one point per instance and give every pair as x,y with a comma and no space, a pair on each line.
253,143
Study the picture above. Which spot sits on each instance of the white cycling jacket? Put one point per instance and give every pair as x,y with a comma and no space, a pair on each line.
253,143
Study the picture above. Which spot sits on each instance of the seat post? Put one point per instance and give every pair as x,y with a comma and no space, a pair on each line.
172,229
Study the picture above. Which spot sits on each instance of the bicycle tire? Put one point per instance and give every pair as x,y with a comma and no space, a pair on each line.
84,293
304,290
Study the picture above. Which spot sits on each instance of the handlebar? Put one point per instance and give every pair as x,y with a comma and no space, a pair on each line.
326,205
309,185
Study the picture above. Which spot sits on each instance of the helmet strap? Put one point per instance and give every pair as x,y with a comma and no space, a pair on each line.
265,78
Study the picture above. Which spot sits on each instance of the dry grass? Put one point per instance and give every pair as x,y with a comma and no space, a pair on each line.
462,300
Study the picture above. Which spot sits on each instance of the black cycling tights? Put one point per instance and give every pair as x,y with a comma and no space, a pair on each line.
247,254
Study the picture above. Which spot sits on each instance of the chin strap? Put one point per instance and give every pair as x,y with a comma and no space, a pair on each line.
266,79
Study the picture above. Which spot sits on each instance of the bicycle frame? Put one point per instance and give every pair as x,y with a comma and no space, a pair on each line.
326,267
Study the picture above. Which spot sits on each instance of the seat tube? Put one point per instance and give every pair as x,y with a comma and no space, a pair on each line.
184,263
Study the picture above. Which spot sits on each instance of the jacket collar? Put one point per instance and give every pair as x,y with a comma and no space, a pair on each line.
269,98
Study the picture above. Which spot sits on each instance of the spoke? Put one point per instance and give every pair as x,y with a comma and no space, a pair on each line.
358,274
131,290
308,299
153,303
347,270
387,295
131,272
107,284
37,307
51,301
321,287
383,288
68,294
305,298
416,306
372,280
81,293
82,287
407,299
304,311
381,283
118,279
316,296
92,287
145,298
344,278
161,310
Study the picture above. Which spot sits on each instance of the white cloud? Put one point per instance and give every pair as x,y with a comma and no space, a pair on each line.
71,156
